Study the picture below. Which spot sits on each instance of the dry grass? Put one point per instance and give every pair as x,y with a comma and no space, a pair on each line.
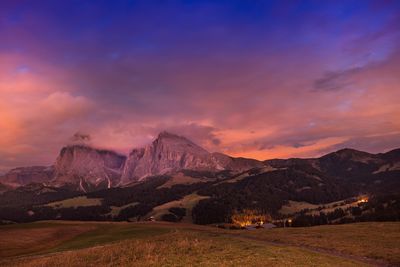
168,244
183,248
81,201
295,206
373,239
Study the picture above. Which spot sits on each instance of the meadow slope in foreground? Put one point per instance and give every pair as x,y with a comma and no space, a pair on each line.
61,243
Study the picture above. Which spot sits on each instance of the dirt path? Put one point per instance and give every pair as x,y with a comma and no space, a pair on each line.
365,260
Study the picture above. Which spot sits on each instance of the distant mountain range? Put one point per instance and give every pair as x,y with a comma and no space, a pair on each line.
173,172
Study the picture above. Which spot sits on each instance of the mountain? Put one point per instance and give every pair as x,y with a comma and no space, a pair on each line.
86,169
174,174
25,175
357,170
171,153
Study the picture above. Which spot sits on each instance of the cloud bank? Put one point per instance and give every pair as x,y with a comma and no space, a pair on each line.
247,79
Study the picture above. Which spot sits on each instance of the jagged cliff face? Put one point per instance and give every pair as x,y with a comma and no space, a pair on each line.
166,154
171,153
87,168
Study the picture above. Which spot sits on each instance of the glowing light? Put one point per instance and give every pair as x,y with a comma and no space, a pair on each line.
249,217
362,199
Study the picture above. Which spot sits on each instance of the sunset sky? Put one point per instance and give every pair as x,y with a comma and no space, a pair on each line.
259,79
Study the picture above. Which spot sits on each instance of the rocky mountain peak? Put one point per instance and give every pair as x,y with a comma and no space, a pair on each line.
167,153
88,167
179,144
171,153
169,135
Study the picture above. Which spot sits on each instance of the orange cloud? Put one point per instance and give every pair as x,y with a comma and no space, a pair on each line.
280,151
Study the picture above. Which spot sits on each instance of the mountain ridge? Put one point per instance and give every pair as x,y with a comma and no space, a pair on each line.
218,184
85,168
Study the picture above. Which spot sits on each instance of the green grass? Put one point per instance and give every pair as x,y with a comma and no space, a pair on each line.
296,206
187,202
181,178
44,237
116,210
30,238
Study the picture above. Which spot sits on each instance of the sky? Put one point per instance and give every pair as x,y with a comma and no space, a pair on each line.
260,79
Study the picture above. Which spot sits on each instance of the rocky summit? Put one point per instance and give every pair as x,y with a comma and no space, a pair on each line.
86,168
171,153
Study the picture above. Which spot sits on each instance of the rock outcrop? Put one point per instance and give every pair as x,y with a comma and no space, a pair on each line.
87,168
171,153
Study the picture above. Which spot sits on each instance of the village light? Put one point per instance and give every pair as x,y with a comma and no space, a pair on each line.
363,200
249,218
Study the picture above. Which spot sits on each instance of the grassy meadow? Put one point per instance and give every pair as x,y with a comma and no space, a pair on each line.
187,202
167,244
376,240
